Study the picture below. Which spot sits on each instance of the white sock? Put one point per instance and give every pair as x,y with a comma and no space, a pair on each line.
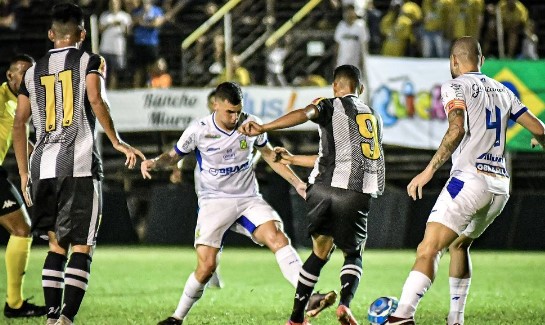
415,287
459,288
290,263
193,291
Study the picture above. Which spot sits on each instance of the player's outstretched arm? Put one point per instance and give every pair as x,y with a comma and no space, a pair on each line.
450,142
20,143
530,122
293,118
102,112
283,156
164,160
283,170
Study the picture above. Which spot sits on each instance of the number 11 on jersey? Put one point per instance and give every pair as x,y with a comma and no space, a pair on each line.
67,100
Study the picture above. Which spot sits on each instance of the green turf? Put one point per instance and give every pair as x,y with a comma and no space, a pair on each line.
141,285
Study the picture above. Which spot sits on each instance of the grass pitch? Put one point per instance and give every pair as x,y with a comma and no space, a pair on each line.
142,285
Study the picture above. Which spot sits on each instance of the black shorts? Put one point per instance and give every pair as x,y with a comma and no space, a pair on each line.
145,55
10,199
69,206
339,213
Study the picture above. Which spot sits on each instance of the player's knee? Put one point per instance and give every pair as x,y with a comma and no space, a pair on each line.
352,253
19,229
427,251
206,268
275,240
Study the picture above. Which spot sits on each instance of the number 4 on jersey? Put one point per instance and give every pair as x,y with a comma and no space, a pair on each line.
496,124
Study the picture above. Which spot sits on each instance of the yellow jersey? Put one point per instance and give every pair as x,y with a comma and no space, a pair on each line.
8,104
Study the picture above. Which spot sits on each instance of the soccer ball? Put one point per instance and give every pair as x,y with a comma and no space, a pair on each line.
380,309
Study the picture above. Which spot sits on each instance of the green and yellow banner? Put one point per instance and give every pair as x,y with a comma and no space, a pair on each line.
527,80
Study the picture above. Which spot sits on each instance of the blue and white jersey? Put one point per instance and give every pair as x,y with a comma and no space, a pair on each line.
224,158
489,105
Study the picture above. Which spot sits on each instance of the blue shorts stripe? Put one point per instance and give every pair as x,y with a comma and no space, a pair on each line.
454,186
247,224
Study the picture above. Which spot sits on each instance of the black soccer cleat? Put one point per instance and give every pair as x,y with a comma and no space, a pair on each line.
170,321
320,301
27,310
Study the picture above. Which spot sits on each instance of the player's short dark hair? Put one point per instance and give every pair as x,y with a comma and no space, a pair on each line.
67,13
211,94
229,91
21,57
349,72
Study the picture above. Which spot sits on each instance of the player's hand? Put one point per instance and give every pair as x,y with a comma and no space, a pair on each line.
251,128
146,166
414,189
283,156
25,189
302,189
130,152
534,143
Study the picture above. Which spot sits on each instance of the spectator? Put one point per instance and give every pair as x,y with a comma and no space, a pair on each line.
351,36
219,50
434,29
159,76
466,18
396,29
275,64
530,42
514,17
114,25
372,17
7,15
147,20
240,74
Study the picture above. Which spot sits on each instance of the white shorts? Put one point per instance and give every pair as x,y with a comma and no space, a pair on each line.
241,215
466,206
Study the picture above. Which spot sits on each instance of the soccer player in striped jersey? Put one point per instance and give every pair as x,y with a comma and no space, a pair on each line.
478,109
348,171
13,214
228,192
65,93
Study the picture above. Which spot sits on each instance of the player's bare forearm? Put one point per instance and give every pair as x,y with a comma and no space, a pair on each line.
284,171
105,120
20,135
166,159
293,118
451,140
530,122
304,160
20,146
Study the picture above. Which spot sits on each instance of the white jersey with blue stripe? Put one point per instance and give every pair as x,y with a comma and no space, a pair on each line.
489,106
224,158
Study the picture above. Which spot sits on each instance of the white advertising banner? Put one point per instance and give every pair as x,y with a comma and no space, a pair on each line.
174,109
407,94
404,91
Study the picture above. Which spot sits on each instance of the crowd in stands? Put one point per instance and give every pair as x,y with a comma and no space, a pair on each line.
131,36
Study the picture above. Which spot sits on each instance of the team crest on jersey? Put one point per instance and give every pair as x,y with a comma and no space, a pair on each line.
243,143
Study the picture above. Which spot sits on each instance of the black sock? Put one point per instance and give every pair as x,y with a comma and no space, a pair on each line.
307,279
76,279
350,278
53,283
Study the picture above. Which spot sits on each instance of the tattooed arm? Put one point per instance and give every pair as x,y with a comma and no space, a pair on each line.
164,160
450,142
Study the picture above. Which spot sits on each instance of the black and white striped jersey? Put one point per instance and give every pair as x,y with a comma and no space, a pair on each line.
62,116
350,154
